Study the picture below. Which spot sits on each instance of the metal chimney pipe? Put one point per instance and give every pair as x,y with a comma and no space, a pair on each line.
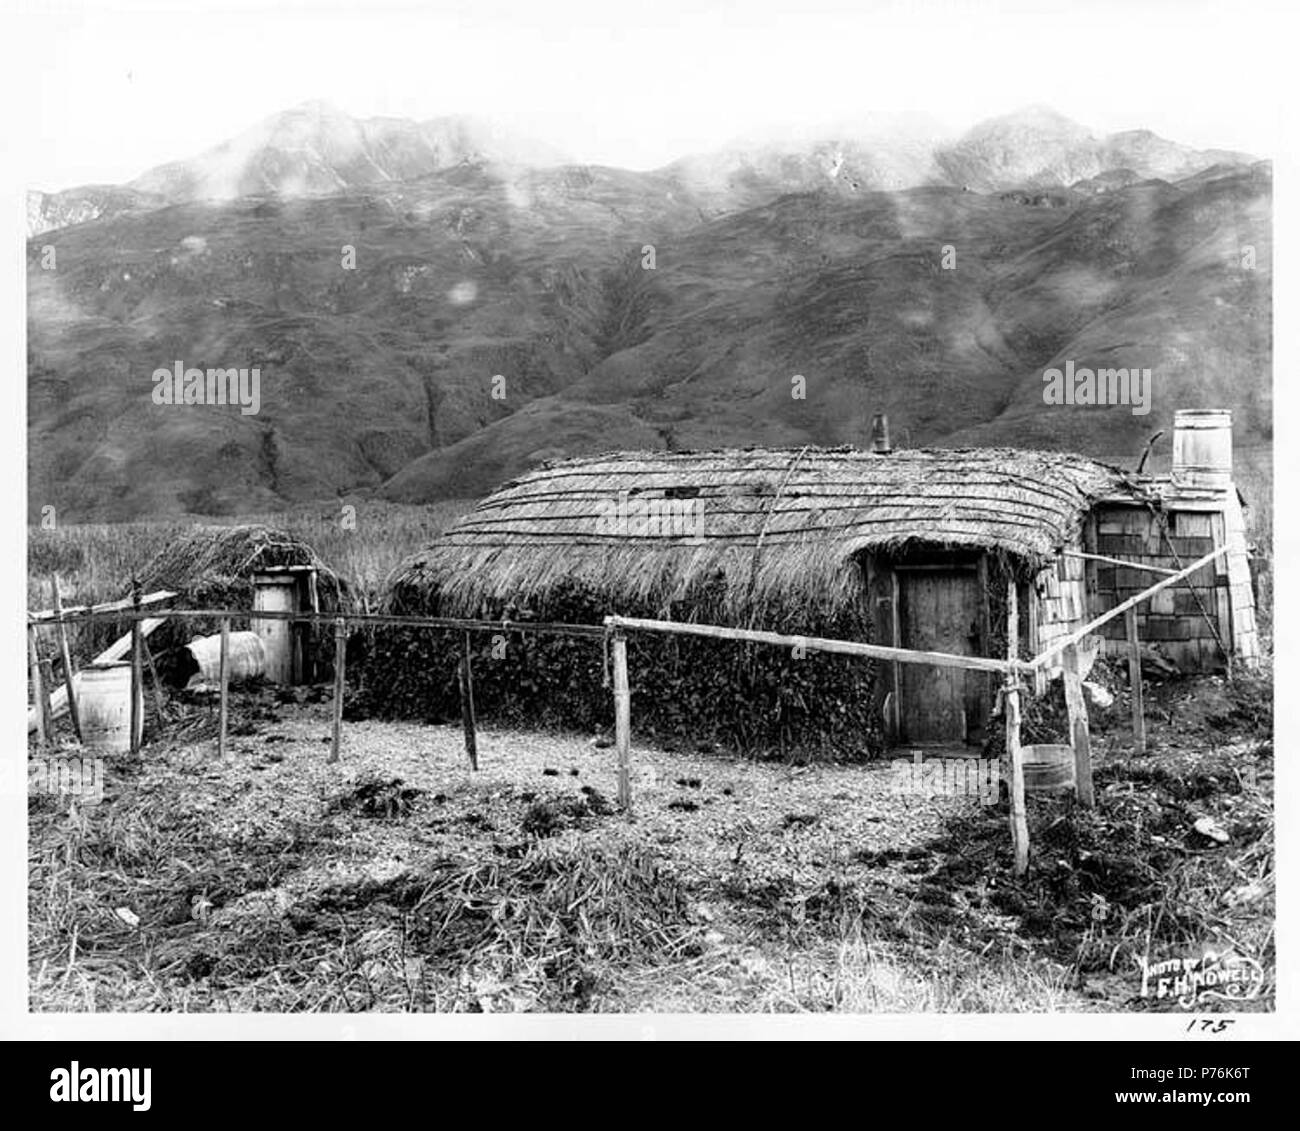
880,434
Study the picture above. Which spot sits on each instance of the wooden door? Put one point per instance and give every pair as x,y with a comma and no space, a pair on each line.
939,612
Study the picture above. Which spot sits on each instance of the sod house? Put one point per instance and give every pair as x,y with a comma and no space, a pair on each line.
908,548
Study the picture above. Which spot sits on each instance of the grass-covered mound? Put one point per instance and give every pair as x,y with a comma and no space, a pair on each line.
752,698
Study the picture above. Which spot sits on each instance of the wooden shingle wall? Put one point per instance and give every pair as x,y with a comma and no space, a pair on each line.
1059,604
1183,620
1241,595
1062,599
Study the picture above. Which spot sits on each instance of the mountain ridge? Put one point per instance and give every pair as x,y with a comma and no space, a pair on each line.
316,149
380,380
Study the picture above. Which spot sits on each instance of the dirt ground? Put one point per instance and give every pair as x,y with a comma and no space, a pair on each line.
397,879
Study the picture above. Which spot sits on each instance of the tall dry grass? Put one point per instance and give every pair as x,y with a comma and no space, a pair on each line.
362,545
1253,472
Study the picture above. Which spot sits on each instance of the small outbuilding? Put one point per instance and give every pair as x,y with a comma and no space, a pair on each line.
247,566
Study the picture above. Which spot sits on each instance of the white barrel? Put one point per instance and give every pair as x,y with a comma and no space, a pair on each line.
245,657
1203,448
276,593
104,706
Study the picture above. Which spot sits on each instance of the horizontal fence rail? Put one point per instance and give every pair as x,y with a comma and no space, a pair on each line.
1117,562
102,613
70,613
821,644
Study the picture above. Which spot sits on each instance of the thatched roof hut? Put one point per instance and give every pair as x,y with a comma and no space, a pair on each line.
214,567
777,527
216,564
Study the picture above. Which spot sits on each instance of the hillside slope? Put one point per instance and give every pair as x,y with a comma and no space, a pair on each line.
381,378
852,297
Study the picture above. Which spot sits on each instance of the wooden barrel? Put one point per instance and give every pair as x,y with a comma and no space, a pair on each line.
104,702
276,592
1049,768
245,657
1203,448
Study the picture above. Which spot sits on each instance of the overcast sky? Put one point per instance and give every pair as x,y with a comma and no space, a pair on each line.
636,85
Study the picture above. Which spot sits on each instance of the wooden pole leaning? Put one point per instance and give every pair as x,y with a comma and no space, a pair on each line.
465,677
223,681
65,653
1015,755
622,721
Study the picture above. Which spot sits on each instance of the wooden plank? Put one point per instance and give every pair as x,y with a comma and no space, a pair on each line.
1092,626
622,721
1037,609
340,684
137,673
1077,709
1219,534
896,641
1015,755
1135,681
115,651
69,683
937,704
75,613
1223,613
819,644
40,703
313,594
223,678
465,677
1116,561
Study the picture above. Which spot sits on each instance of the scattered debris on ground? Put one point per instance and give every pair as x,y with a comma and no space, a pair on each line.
397,879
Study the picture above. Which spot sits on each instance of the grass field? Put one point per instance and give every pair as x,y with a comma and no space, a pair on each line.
397,880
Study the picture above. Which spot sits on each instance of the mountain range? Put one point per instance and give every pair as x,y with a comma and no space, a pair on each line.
506,305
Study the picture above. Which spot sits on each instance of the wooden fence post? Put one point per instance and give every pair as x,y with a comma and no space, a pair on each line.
465,677
622,721
223,677
1077,708
1135,681
137,671
39,699
66,654
1015,756
340,683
